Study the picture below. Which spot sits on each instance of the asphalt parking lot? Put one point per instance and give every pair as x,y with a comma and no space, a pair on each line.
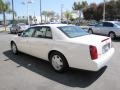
24,72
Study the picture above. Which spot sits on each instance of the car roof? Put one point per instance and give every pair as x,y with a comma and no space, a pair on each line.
52,25
112,21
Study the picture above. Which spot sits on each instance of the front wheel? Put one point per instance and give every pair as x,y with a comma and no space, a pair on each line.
58,62
10,31
14,48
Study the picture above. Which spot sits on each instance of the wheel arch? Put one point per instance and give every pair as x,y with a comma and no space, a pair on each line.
112,32
12,42
50,52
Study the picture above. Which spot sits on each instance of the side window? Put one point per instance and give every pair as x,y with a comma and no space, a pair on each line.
28,33
43,32
48,33
99,25
107,24
39,32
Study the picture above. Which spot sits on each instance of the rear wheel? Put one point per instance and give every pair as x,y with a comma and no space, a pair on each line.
14,48
16,31
58,62
10,31
112,35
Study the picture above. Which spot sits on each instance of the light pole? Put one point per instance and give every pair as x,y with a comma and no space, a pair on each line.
104,7
28,14
61,12
13,11
40,11
27,3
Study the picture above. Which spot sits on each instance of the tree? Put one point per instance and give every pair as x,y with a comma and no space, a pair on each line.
110,9
13,12
95,12
67,15
90,12
99,12
1,5
79,6
48,14
51,14
118,9
4,7
45,14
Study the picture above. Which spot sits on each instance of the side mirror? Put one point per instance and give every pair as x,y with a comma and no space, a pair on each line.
19,34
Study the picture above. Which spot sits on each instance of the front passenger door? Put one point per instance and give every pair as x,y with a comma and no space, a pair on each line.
23,40
42,42
97,29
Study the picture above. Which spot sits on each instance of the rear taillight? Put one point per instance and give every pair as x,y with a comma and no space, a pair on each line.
93,52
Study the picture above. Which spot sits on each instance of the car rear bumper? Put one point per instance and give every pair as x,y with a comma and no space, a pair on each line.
85,63
101,62
13,31
92,65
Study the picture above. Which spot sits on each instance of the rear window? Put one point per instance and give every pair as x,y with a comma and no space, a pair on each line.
118,23
72,31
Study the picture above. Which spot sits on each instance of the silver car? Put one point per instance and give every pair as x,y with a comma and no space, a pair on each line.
108,28
16,28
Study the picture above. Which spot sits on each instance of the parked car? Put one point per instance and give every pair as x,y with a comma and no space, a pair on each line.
9,26
92,23
33,24
64,46
85,28
16,28
108,28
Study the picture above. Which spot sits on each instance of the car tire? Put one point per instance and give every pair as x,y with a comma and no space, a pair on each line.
58,62
90,31
112,35
16,31
10,31
14,48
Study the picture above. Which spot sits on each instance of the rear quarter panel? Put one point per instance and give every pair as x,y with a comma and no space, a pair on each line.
77,55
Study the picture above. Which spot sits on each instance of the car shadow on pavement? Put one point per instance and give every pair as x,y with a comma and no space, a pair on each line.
72,78
116,40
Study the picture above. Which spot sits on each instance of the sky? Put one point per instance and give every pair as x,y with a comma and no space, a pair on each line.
54,5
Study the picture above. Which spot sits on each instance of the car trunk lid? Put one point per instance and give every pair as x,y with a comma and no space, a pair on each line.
102,43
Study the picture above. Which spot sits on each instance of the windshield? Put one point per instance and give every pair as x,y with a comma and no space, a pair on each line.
73,31
118,23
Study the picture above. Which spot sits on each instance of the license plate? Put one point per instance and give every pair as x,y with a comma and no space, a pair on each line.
105,48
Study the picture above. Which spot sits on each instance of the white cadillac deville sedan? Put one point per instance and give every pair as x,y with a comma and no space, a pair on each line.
64,46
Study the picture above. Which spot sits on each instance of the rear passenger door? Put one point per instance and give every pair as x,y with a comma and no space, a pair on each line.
107,27
42,42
